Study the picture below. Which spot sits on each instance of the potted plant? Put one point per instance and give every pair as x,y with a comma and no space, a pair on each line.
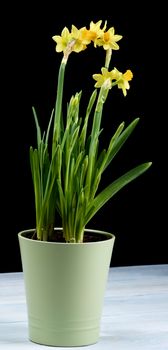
66,268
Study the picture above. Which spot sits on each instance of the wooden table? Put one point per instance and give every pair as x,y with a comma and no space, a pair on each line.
135,313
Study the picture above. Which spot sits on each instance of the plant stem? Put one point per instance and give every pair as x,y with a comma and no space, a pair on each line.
58,107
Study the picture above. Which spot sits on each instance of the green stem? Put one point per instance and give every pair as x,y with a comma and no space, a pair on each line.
58,106
108,58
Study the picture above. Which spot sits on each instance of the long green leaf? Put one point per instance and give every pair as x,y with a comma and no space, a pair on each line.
37,127
49,127
85,125
113,188
121,140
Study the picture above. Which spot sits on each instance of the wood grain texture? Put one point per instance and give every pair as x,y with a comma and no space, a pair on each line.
135,312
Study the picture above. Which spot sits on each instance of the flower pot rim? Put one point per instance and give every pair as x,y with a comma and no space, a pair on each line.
103,233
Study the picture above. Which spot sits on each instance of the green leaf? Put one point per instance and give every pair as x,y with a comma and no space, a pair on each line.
49,126
113,188
119,142
88,112
37,127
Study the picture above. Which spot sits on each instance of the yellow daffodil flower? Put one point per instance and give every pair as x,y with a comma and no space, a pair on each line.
95,31
101,78
109,40
87,35
123,82
62,40
116,74
80,43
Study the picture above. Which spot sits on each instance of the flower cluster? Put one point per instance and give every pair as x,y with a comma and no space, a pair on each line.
83,37
77,40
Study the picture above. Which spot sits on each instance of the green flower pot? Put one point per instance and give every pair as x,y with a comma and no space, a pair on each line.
65,285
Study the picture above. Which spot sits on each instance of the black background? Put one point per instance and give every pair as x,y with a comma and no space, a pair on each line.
29,73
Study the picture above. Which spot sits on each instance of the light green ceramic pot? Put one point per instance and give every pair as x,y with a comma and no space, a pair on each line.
65,285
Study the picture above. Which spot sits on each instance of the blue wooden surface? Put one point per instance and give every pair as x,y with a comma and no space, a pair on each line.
135,312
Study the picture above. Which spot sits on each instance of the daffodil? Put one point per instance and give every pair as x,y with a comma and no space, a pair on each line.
101,78
80,43
109,40
95,30
123,82
62,40
115,74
